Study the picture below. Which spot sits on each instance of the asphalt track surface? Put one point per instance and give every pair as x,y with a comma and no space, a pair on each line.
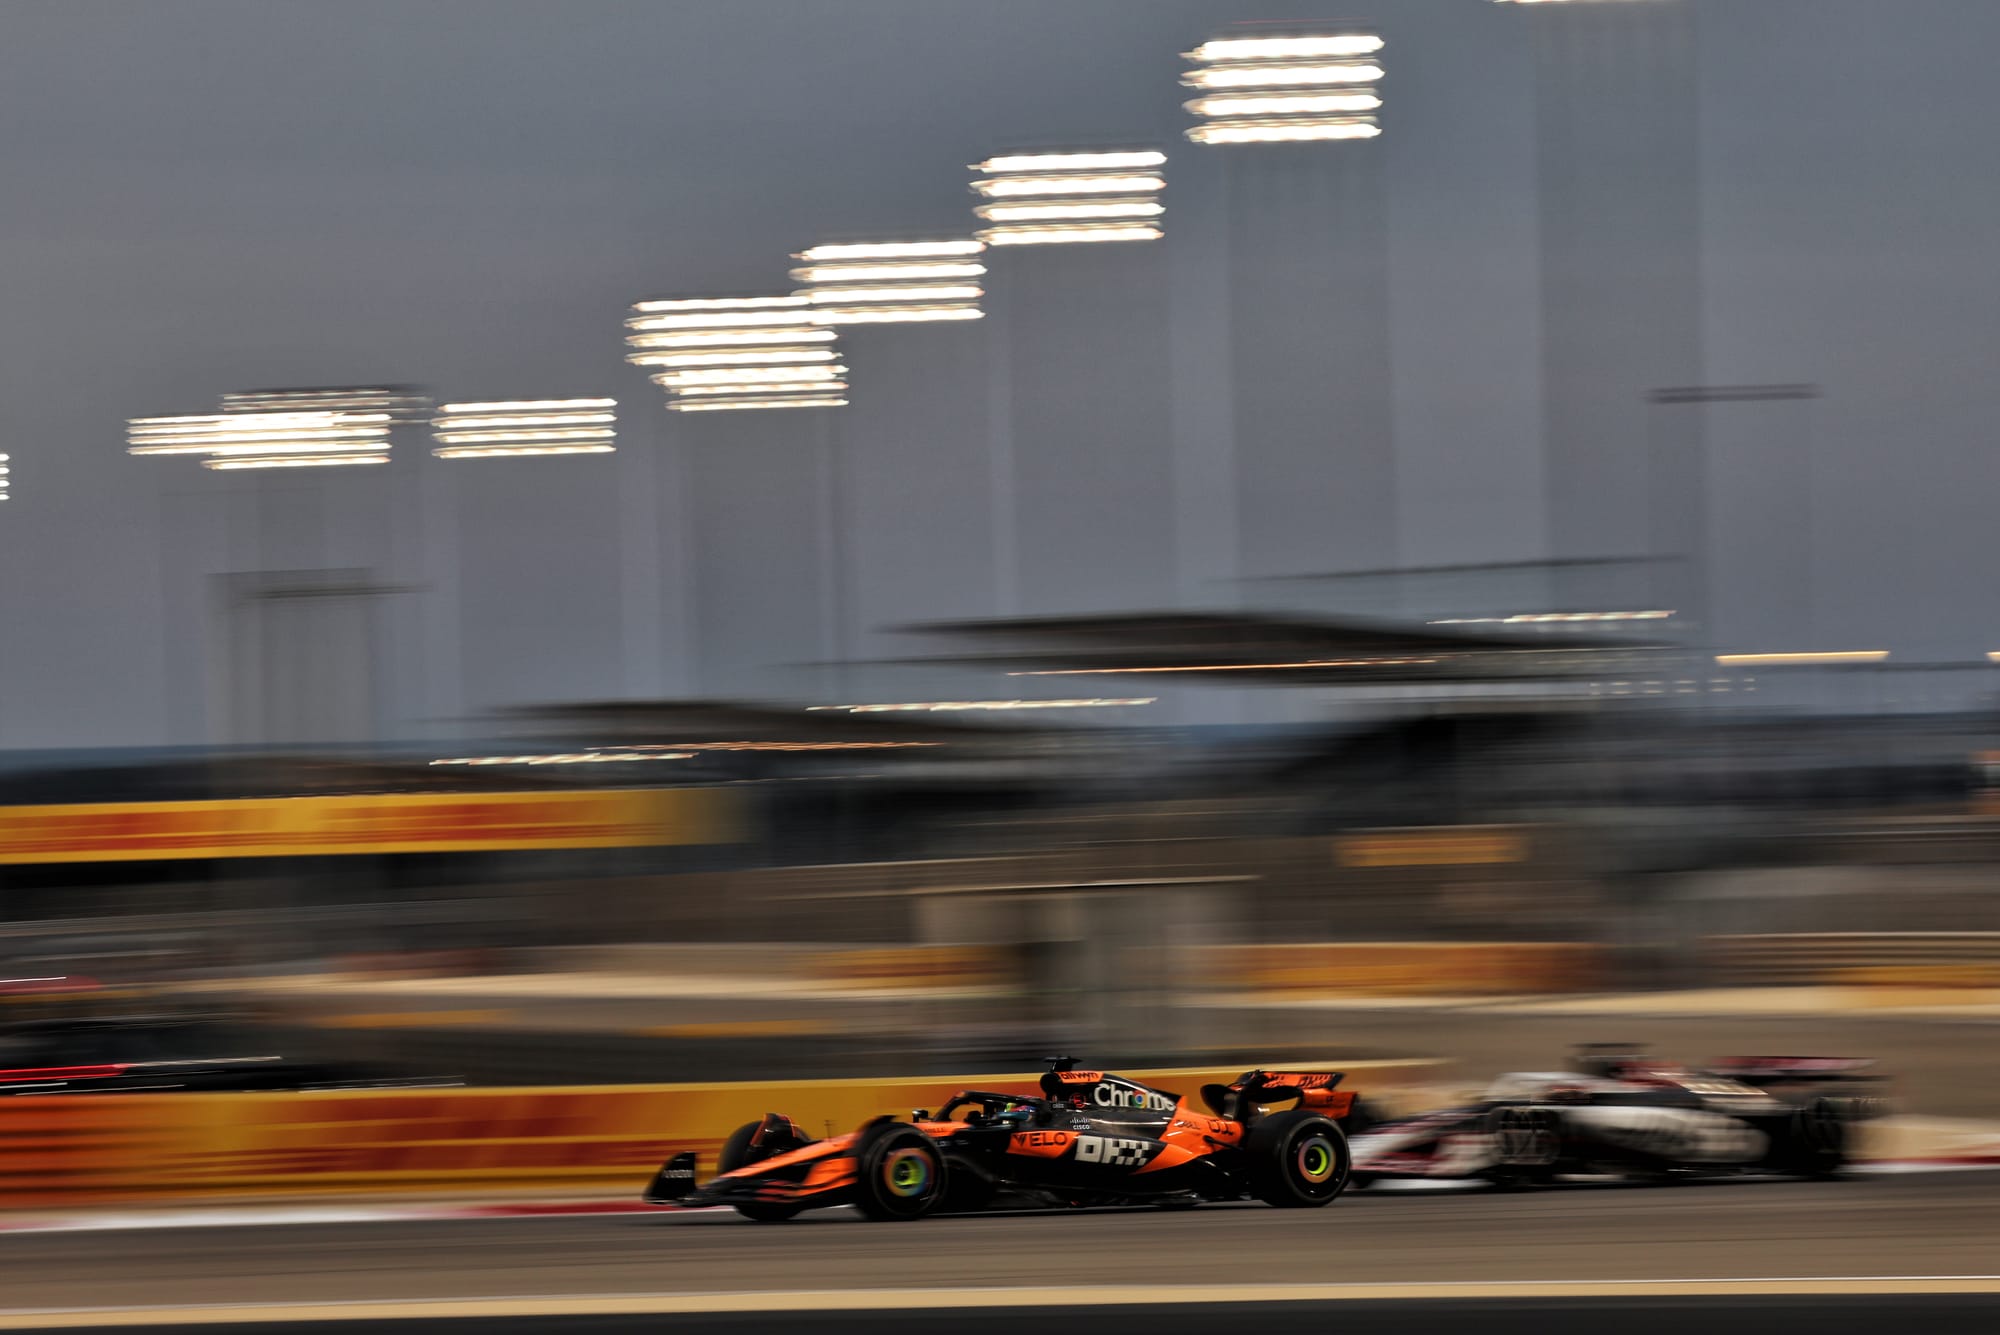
1913,1225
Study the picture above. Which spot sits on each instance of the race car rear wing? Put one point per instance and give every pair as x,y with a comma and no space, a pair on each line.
1255,1090
1795,1070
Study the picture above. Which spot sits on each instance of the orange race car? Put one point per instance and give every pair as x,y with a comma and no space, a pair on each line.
1090,1139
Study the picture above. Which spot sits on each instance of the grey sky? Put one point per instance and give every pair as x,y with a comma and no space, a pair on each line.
197,195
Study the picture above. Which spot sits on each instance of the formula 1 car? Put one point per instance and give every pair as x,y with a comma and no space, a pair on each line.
1623,1114
1090,1139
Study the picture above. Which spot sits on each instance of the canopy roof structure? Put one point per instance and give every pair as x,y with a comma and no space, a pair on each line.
1282,650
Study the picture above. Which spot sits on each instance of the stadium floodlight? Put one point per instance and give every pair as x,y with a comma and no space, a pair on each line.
296,461
1057,198
525,427
729,338
1322,46
846,252
735,357
242,438
892,282
1285,104
1078,232
1282,132
402,403
1258,75
1042,187
6,478
325,426
759,401
743,387
885,273
1054,212
898,314
1069,162
717,353
750,375
1300,87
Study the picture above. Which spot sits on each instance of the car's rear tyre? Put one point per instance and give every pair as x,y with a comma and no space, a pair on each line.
899,1172
1527,1144
1299,1159
1816,1140
738,1152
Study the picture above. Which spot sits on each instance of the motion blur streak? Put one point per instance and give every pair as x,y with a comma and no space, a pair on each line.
1280,76
952,706
296,461
1777,660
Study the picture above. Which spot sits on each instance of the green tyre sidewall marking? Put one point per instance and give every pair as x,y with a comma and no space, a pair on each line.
907,1173
903,1175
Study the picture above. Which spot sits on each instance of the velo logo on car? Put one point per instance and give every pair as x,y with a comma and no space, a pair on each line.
1112,1151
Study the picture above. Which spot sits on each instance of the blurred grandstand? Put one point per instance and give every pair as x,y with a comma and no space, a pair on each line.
1560,804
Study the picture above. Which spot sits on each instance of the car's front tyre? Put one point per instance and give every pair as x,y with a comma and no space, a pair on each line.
899,1172
738,1152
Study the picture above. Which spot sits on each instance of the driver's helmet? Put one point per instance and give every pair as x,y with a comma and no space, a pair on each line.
1015,1114
1609,1061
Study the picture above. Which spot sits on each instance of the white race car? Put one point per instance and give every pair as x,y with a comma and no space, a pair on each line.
1623,1114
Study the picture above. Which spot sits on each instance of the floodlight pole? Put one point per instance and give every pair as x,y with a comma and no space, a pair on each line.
833,552
1004,504
1620,241
1680,484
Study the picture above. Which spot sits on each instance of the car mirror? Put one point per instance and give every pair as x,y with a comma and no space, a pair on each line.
920,1114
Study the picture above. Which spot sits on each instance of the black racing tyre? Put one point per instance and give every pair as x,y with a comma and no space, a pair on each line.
1525,1137
738,1152
1299,1159
899,1172
1527,1142
1816,1140
966,1193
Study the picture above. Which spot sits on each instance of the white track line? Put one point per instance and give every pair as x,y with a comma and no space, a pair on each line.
850,1300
